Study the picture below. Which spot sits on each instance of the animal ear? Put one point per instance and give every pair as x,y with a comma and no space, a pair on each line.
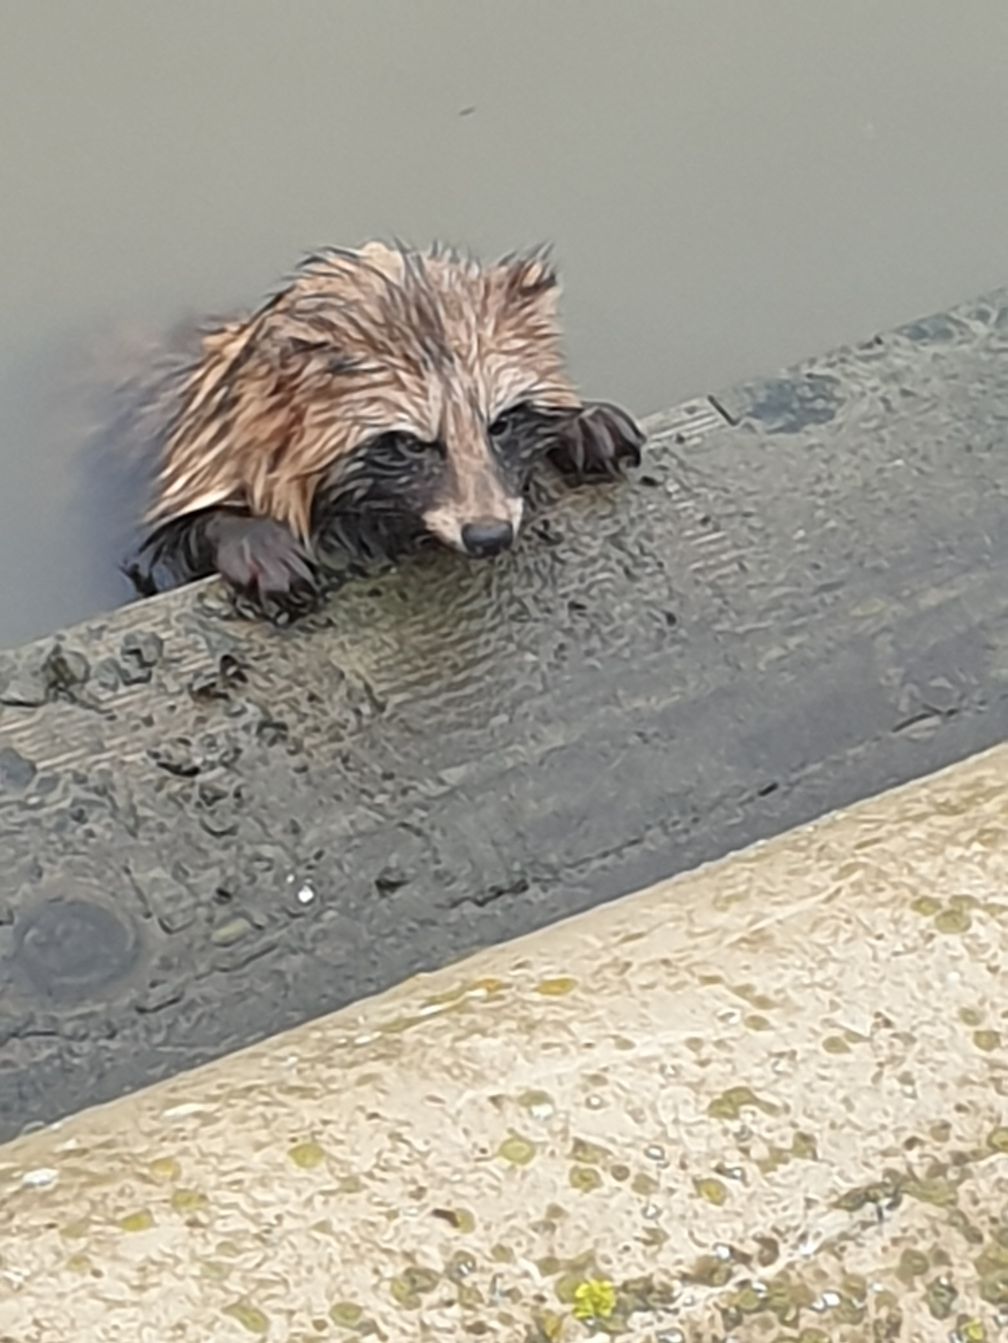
531,278
296,345
389,261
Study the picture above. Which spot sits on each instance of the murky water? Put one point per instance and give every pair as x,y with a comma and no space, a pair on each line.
730,186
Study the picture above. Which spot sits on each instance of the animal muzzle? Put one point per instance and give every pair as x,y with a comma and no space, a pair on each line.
478,537
486,537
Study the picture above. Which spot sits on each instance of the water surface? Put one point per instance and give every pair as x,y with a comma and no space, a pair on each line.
730,186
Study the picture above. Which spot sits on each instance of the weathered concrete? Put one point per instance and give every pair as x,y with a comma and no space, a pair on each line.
763,1102
226,829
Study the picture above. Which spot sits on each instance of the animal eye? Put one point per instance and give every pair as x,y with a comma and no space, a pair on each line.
402,444
418,447
506,421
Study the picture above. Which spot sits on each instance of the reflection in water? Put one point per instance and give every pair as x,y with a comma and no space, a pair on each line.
730,186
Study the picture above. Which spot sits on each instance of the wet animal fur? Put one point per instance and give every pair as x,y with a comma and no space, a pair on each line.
379,397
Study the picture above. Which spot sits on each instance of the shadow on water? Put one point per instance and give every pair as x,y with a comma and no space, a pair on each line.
99,424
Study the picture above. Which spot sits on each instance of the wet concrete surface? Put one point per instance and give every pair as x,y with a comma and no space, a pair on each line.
212,830
762,1102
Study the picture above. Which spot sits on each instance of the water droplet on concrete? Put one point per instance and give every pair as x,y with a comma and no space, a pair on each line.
40,1178
16,771
71,948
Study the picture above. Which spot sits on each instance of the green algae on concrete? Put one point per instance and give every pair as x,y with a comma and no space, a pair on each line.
627,1161
519,1151
250,1317
731,1103
307,1155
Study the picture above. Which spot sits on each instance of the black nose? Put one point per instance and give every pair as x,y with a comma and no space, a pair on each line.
489,536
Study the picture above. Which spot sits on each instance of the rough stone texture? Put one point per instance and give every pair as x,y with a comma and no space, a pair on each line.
211,830
763,1102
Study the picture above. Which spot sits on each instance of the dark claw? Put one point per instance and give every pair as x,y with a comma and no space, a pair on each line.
598,443
141,578
269,571
266,564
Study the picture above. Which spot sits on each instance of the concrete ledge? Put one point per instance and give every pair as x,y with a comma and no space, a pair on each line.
210,831
763,1101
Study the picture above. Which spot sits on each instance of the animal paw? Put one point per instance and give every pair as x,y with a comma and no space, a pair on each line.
598,443
266,565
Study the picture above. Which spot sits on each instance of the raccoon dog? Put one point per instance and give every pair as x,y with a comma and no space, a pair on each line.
381,397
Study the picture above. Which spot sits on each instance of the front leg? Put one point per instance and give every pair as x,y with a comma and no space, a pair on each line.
597,443
264,562
259,558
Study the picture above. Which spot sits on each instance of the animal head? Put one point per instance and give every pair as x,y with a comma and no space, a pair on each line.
417,388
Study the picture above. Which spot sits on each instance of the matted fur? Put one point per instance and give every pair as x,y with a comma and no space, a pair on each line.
380,396
360,343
